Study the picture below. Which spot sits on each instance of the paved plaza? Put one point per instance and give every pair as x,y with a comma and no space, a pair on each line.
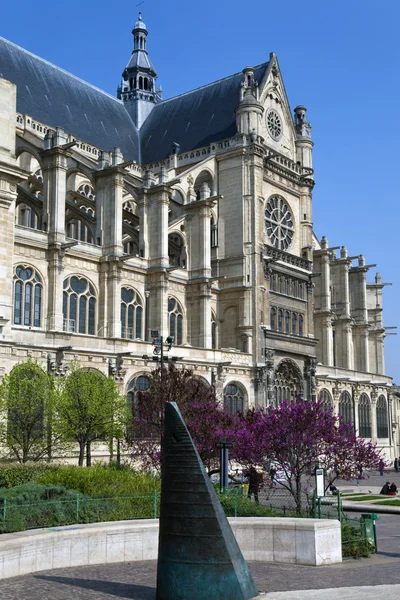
136,581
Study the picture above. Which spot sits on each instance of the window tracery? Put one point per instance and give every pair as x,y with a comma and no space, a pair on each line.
233,398
325,398
279,223
382,418
175,318
28,291
346,407
79,306
288,382
364,416
131,314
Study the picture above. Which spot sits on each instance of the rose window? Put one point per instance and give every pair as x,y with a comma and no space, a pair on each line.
279,223
274,125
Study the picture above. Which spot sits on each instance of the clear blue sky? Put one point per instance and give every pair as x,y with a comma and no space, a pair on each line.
340,59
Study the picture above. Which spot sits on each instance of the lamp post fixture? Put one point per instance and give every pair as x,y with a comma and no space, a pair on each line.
224,447
158,346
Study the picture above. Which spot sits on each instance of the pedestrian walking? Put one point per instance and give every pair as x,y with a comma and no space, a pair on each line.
359,473
381,467
272,474
254,480
396,465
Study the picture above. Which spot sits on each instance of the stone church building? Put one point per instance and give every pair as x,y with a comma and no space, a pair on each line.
125,216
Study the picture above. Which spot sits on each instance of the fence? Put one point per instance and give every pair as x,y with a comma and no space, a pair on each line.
20,516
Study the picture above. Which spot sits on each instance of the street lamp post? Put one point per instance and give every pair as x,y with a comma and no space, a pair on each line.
224,447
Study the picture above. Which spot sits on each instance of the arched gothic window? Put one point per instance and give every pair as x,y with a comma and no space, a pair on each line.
301,320
131,314
79,306
273,318
214,233
382,418
287,321
135,386
364,416
213,330
28,291
288,381
280,320
233,398
78,230
346,407
175,317
325,398
294,324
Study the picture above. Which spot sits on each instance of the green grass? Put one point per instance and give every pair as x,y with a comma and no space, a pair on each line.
362,498
390,502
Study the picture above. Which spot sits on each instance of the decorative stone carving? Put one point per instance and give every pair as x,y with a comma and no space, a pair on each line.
117,370
57,366
310,369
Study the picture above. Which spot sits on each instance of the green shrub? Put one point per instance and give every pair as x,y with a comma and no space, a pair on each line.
32,505
353,543
100,480
13,474
240,506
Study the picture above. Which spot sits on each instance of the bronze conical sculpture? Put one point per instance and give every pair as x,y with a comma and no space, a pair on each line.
198,556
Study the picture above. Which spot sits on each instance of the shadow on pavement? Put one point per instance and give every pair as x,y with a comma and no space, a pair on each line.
112,588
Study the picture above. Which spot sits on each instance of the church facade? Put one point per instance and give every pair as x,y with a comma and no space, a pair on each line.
129,218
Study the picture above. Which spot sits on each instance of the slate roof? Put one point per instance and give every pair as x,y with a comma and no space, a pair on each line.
140,59
194,119
57,98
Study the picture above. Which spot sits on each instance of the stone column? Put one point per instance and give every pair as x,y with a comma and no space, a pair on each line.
109,186
374,432
103,304
157,199
356,395
199,247
10,175
343,326
55,163
114,298
323,309
55,317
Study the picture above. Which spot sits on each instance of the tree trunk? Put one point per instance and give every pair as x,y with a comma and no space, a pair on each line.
81,453
88,455
298,495
118,452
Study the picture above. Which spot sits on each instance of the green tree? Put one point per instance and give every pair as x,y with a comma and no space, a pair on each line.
27,397
89,407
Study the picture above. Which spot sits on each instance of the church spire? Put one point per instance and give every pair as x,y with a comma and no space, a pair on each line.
138,89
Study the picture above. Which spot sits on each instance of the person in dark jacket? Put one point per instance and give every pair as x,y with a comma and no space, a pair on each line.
385,488
254,480
396,465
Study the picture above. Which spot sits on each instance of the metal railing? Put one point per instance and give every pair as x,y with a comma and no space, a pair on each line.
69,325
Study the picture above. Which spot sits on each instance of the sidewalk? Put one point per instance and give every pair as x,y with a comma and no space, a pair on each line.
389,592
